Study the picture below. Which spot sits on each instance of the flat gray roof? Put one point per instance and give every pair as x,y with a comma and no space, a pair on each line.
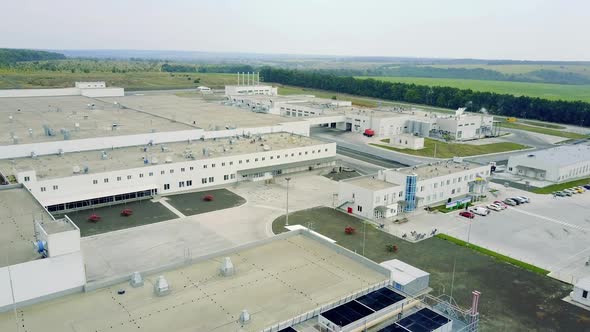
54,166
65,112
370,182
207,114
275,282
439,168
18,211
559,156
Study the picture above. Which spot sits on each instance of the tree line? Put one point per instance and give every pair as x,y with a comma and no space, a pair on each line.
11,56
567,112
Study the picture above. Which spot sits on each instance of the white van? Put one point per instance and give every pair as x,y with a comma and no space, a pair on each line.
480,210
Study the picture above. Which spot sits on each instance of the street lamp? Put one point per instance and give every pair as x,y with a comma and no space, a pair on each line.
287,215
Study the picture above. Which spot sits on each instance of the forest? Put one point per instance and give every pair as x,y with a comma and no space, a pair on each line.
10,56
567,112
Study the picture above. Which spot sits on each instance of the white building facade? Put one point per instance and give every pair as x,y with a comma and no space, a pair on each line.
462,126
559,164
81,190
392,191
407,141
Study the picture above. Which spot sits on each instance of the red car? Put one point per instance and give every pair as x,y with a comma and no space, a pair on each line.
467,214
502,204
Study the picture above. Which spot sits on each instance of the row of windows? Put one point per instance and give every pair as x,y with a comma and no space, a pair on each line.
101,200
55,187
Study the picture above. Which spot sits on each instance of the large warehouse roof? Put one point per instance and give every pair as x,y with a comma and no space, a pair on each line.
559,156
275,281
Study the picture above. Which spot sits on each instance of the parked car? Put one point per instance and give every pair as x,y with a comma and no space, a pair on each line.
525,199
586,186
510,202
560,194
571,191
501,204
567,192
482,211
495,207
467,214
518,200
580,189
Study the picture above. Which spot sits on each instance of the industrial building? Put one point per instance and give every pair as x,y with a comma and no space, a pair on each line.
74,180
253,291
560,164
385,194
581,291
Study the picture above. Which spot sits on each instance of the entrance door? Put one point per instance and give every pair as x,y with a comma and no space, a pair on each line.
349,127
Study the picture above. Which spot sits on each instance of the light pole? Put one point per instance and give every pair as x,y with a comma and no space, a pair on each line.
469,232
287,215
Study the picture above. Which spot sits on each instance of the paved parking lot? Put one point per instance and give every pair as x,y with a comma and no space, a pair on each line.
551,233
142,248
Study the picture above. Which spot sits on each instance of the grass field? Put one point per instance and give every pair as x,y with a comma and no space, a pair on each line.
449,150
542,130
129,80
523,68
144,212
561,186
513,299
541,90
192,203
542,124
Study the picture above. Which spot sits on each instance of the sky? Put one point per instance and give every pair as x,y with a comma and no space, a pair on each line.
491,29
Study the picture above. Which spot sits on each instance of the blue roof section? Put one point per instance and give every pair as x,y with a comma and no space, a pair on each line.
380,299
347,313
424,320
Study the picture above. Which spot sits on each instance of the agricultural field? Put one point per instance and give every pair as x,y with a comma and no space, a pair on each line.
522,68
10,79
450,150
540,90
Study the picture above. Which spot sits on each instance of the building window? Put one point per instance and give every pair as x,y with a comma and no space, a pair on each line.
55,187
359,208
453,192
166,186
118,178
293,155
106,180
162,172
151,174
263,158
211,179
212,165
171,171
128,177
94,181
255,159
191,168
247,160
585,294
326,150
140,175
226,177
231,163
43,189
233,176
189,183
204,166
222,164
204,180
27,179
180,184
271,157
239,161
305,152
182,169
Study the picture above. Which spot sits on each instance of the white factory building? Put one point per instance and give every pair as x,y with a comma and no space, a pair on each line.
465,126
559,164
385,194
77,180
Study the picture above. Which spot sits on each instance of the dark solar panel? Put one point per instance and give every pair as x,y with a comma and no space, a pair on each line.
424,320
347,313
380,299
288,329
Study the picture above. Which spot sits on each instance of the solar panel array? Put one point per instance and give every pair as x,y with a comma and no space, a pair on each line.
362,307
424,320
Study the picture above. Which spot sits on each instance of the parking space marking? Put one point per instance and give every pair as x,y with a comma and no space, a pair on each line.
563,223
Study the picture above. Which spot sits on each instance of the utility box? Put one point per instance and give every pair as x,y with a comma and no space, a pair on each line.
407,278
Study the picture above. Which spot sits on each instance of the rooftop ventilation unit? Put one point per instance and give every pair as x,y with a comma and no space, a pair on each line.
136,280
168,160
76,169
161,287
104,155
244,316
227,267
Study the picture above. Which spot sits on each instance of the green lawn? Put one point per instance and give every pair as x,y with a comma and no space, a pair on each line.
541,90
129,80
561,186
449,150
541,130
192,203
513,298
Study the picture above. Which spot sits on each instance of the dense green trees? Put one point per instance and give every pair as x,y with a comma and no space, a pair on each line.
10,56
568,112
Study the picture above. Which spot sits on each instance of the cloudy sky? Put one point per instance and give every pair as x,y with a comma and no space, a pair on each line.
498,29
